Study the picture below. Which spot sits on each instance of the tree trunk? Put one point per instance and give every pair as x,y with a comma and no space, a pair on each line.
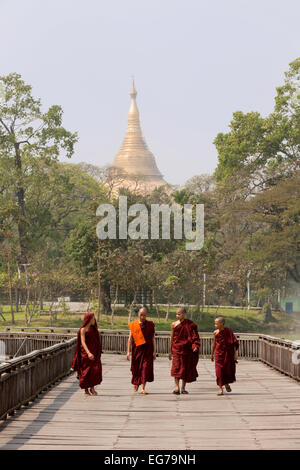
131,307
27,306
126,302
21,203
10,293
17,298
1,313
151,300
168,311
99,281
41,296
201,312
51,313
156,307
89,301
190,309
114,305
105,299
143,297
32,310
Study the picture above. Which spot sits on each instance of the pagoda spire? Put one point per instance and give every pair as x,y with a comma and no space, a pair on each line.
133,91
134,158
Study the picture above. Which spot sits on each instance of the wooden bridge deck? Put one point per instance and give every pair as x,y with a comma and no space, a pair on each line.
262,412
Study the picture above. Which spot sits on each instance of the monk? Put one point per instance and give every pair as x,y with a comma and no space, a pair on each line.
184,348
224,348
87,357
141,342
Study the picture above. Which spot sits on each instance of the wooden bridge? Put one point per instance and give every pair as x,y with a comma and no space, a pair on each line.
42,406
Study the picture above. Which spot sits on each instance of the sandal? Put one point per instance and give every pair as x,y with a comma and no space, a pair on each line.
176,392
185,392
228,389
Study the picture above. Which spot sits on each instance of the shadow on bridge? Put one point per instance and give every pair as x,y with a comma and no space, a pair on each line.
43,418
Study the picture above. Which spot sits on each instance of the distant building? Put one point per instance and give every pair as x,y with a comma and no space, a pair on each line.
291,302
134,166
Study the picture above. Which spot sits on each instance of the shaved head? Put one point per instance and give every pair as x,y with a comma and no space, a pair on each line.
143,310
221,320
181,310
142,314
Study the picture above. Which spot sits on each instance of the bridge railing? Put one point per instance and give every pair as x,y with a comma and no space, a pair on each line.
116,341
281,354
23,378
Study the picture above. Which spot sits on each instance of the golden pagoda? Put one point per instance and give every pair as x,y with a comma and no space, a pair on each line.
134,165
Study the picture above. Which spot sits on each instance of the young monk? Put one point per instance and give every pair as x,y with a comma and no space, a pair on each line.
87,357
224,348
142,343
184,347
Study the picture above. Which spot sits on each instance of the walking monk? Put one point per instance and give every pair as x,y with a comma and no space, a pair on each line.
87,357
184,346
225,347
142,343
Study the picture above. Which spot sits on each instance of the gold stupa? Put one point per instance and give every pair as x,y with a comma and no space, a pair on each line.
134,165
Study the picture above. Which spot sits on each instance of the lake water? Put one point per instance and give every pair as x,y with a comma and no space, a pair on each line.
293,335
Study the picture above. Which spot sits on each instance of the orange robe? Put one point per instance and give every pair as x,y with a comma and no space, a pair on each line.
142,356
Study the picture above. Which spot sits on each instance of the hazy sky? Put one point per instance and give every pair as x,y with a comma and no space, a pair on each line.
195,62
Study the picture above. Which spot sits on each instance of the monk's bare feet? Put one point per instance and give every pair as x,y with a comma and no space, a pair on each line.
184,392
93,391
143,392
135,388
228,389
220,392
86,392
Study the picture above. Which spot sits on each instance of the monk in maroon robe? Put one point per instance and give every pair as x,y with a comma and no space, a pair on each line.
184,348
87,357
224,348
141,343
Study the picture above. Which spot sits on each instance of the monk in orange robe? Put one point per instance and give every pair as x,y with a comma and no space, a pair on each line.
184,349
141,342
87,357
224,348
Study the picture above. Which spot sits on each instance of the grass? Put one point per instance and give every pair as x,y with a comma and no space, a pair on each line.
239,320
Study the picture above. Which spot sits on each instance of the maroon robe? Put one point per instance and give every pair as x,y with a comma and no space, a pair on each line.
89,372
185,339
226,343
142,356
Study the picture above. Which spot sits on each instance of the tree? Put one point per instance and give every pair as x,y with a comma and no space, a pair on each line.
200,184
27,133
255,144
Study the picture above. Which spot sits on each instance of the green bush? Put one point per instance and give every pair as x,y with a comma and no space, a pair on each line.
267,313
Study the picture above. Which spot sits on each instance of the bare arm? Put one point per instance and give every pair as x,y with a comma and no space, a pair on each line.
213,348
171,341
154,347
235,353
129,346
82,337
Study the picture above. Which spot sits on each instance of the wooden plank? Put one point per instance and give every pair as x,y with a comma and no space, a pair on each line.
262,412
